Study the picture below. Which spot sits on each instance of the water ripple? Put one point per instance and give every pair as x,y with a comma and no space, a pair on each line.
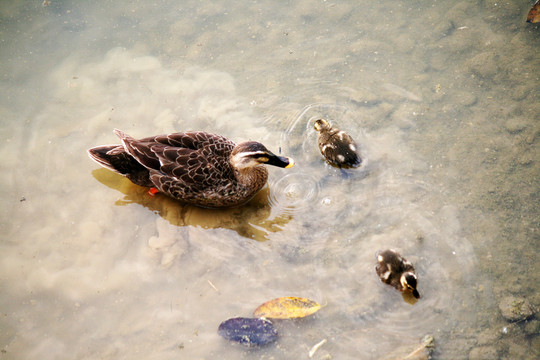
300,135
347,216
294,193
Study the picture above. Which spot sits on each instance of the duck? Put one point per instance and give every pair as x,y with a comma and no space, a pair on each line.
393,269
338,148
195,167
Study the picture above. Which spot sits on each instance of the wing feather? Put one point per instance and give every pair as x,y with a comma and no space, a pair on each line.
184,165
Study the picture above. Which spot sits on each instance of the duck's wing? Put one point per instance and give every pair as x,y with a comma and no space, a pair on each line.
192,161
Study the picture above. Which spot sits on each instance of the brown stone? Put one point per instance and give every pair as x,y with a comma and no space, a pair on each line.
515,309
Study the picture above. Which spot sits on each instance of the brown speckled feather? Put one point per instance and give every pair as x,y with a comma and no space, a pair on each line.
194,167
338,147
390,267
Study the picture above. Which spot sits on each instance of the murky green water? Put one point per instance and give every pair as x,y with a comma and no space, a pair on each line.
441,96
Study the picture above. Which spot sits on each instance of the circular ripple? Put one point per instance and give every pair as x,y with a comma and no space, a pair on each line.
302,137
389,202
294,193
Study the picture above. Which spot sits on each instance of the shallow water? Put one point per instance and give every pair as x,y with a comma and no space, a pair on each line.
440,96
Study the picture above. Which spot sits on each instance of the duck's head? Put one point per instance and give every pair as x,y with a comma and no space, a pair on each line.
252,153
321,125
409,281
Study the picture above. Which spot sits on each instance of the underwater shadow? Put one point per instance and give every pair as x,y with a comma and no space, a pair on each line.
253,220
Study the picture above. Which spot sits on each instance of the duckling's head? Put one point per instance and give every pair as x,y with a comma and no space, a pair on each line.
409,282
252,153
321,125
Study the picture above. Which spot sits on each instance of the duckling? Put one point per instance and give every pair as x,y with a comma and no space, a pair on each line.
195,167
395,270
338,147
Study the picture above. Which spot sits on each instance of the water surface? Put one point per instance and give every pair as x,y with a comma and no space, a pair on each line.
441,97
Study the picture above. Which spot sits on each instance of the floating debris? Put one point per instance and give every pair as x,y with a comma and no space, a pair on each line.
534,13
247,331
316,347
212,285
260,331
414,352
287,308
424,350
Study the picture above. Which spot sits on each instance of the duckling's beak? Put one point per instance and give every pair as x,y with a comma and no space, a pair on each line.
280,161
416,294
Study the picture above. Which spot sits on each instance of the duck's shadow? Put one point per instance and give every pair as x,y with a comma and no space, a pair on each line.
253,220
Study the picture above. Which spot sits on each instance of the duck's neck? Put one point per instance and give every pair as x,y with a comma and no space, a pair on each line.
252,177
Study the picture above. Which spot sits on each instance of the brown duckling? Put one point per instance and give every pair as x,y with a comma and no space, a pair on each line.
337,147
196,167
393,269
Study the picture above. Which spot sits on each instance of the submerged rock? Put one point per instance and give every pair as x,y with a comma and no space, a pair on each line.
483,353
515,309
488,336
466,98
515,125
532,327
497,11
484,65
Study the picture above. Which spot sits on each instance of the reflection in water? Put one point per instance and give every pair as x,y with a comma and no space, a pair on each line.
251,220
409,298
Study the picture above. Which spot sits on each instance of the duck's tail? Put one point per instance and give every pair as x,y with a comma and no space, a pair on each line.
106,155
115,158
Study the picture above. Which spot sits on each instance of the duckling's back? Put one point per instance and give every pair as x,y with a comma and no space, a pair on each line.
338,148
390,267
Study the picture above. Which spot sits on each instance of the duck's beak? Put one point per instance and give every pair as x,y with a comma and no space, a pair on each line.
291,162
280,161
416,294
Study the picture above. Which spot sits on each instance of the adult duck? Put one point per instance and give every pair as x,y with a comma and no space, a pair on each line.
195,167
